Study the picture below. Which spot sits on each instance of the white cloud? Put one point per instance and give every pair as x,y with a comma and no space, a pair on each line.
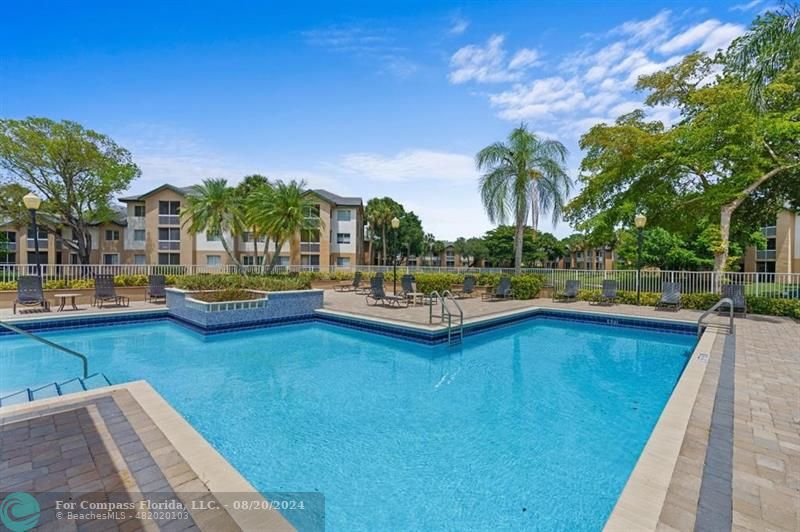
487,64
409,165
655,27
625,108
458,25
721,37
690,37
747,6
524,58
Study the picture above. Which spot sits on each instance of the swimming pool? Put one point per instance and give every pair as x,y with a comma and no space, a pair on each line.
534,425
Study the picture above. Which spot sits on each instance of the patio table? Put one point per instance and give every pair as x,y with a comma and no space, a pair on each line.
61,300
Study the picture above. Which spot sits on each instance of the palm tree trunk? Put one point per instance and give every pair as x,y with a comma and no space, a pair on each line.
275,256
265,260
518,238
371,240
255,248
228,251
383,242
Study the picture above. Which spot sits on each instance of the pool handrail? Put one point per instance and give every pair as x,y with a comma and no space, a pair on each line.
54,345
723,301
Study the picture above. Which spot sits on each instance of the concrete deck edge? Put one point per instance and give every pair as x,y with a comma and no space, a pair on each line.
642,499
84,316
216,473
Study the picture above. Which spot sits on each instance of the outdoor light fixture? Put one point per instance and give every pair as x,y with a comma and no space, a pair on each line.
395,226
32,203
640,220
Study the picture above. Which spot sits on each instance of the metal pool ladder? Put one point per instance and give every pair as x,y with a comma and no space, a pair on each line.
455,332
724,301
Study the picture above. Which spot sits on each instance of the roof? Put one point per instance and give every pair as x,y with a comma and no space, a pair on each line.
178,190
336,199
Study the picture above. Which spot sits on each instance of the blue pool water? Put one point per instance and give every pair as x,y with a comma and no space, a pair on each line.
535,425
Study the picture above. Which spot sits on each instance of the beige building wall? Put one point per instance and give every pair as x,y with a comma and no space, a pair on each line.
787,247
152,224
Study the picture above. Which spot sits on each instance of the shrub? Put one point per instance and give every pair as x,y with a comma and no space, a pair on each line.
230,294
774,307
527,286
269,283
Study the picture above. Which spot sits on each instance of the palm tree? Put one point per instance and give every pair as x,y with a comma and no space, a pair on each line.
771,45
213,207
282,211
373,217
524,174
249,185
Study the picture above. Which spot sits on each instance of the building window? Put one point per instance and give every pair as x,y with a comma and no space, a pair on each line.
169,258
139,235
309,241
42,234
343,262
110,258
8,247
342,238
212,237
112,234
311,212
139,259
283,260
309,260
169,212
213,260
247,260
169,238
247,236
343,215
138,211
770,251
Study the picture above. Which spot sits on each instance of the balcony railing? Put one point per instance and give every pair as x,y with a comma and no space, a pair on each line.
169,219
765,254
169,245
309,247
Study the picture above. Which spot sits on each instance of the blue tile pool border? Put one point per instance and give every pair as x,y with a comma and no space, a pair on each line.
405,332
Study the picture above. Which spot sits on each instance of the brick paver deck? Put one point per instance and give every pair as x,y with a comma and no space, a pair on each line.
104,449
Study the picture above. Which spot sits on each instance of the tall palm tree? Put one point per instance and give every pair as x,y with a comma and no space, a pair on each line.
373,217
283,211
428,241
771,45
213,207
524,174
248,186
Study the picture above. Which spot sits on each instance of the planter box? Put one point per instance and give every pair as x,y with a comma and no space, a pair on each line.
273,306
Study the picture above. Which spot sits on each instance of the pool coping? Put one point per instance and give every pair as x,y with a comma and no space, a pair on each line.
215,472
642,499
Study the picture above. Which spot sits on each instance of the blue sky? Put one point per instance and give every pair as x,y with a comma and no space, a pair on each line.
367,99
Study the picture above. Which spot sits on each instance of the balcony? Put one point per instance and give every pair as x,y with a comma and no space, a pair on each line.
169,245
309,247
169,219
765,254
8,246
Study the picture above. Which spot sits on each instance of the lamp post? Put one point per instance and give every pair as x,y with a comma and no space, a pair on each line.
32,203
395,225
639,221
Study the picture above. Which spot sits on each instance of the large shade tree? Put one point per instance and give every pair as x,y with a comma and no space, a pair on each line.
77,171
693,176
524,175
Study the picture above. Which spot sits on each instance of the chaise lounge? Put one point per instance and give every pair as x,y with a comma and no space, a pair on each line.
502,291
349,286
105,292
608,295
736,293
570,293
670,297
377,295
156,288
30,293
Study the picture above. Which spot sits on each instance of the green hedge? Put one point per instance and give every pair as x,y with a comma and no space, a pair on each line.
703,301
270,283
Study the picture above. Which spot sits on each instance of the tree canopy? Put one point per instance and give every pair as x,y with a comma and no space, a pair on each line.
691,177
77,171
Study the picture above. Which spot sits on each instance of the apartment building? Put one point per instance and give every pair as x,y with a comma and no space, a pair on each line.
149,230
781,254
598,258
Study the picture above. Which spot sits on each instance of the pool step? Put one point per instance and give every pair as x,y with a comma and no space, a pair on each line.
54,389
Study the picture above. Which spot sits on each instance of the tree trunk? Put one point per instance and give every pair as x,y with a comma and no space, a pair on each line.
275,256
518,236
371,240
255,249
383,242
726,213
265,259
228,251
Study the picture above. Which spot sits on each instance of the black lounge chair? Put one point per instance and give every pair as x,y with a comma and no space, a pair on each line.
609,293
502,291
670,296
366,290
30,293
407,284
378,295
570,293
736,293
468,290
349,286
105,292
156,288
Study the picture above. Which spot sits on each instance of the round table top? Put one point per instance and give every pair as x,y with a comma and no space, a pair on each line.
66,294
